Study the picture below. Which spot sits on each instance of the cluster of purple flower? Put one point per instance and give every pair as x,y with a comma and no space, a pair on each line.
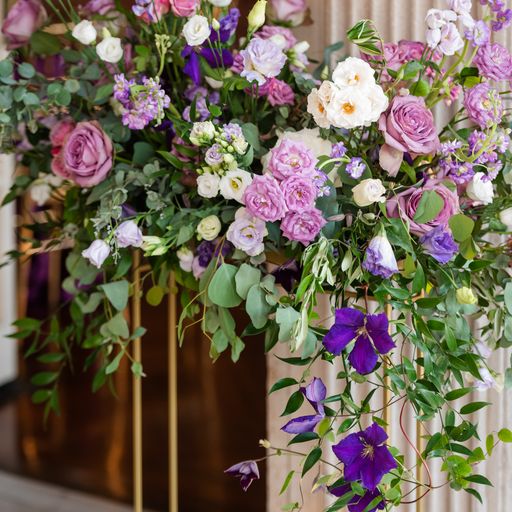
141,103
503,16
202,98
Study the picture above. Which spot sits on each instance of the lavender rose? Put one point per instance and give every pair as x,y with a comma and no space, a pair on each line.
494,62
439,244
303,226
405,204
291,11
262,59
291,158
483,105
87,154
264,199
24,18
409,126
277,92
299,193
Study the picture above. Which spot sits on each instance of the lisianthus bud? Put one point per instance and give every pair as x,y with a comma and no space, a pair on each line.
84,32
209,228
215,24
465,295
153,246
202,133
186,257
506,218
256,17
97,253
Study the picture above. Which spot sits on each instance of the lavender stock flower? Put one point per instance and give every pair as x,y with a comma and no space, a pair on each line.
246,471
369,331
355,168
439,244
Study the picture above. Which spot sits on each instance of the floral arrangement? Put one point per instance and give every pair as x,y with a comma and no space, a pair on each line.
263,183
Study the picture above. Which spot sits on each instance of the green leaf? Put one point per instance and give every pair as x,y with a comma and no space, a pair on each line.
479,479
142,153
44,378
505,435
237,346
461,226
419,281
246,277
92,303
113,366
489,444
476,494
314,456
222,288
286,319
117,326
257,306
282,383
44,43
220,341
508,297
429,207
457,393
26,70
287,482
451,341
306,437
117,293
31,99
294,403
6,68
54,357
41,395
473,407
155,295
103,92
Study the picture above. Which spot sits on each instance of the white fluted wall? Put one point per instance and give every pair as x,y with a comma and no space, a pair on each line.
395,19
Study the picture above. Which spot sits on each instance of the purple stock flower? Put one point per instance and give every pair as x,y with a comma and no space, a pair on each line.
439,244
355,168
315,393
450,147
338,150
503,20
247,472
365,457
479,34
380,259
483,105
369,331
359,503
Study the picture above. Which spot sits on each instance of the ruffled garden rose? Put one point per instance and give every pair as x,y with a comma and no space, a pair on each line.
405,204
247,233
87,154
24,18
290,159
483,105
264,199
494,62
299,192
291,11
303,226
277,92
283,34
408,126
184,8
60,132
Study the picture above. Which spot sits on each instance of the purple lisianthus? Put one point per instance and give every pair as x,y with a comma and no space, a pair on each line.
483,105
247,233
303,226
365,457
439,244
97,253
315,393
380,259
277,92
262,59
128,234
369,331
228,25
264,199
246,471
359,503
355,168
290,159
214,155
408,126
299,192
494,62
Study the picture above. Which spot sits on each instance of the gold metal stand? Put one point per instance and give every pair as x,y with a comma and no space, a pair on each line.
172,339
385,394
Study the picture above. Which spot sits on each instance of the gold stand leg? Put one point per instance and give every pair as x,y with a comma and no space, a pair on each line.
173,397
137,390
385,394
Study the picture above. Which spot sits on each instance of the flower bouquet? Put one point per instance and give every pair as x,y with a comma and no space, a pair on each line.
262,183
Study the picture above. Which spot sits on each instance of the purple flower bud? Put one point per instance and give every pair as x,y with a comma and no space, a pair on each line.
355,168
246,471
97,253
129,234
379,258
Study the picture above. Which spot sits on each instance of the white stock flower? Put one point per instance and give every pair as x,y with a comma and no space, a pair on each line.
97,253
354,72
451,41
110,49
208,185
233,184
506,218
202,132
480,190
368,192
185,257
438,18
209,228
460,6
85,32
197,30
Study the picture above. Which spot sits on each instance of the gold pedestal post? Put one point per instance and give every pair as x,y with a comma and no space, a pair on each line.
173,396
137,390
385,394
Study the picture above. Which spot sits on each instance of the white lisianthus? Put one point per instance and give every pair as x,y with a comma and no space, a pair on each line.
256,17
506,218
368,192
220,3
110,49
185,257
209,228
233,184
240,145
197,30
349,108
379,103
85,32
480,190
202,133
97,253
354,72
208,185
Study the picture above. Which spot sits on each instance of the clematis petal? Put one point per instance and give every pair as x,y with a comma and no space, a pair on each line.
338,338
349,449
316,392
341,490
350,317
360,503
363,357
378,329
303,424
381,464
375,435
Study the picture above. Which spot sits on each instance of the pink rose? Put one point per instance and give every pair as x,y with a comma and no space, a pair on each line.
184,8
278,93
270,31
264,199
406,203
24,18
292,11
303,226
290,158
60,131
87,154
299,193
408,125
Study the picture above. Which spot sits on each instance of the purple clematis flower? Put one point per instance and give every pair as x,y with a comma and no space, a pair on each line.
365,457
228,25
247,472
369,331
359,503
315,394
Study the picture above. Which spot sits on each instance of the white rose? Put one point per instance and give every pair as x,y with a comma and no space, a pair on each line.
97,253
110,49
506,218
349,108
202,132
234,183
85,32
209,228
208,185
40,192
480,190
379,103
368,192
186,257
197,30
354,72
220,3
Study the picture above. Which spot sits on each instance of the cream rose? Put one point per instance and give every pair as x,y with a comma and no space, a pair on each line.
85,32
368,192
110,49
480,190
209,228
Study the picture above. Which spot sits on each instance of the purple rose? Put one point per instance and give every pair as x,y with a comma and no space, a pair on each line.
303,226
264,199
299,193
406,203
483,105
408,125
291,158
291,11
87,154
494,62
277,92
262,59
379,258
439,244
24,18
